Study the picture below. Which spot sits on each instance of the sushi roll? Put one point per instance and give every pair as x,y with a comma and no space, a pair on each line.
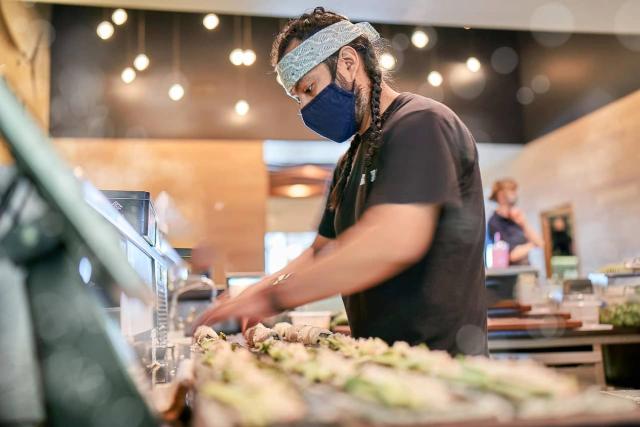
259,334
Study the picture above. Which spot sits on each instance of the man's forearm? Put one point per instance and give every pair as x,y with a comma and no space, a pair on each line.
532,236
520,252
364,256
300,262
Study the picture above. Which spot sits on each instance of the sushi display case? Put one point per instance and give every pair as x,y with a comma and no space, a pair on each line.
304,375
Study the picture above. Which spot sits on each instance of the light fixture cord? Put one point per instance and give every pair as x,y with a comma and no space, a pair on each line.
141,33
247,33
176,45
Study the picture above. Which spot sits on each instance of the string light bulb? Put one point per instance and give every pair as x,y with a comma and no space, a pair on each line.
387,61
236,56
128,75
248,57
242,107
473,64
176,92
420,39
435,78
141,62
119,16
211,21
105,30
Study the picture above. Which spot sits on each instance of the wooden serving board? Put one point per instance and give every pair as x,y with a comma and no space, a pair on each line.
527,324
511,304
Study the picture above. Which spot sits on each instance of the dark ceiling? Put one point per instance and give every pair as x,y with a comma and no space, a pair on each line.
89,99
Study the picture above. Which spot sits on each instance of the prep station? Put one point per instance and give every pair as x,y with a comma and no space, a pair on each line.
80,263
561,326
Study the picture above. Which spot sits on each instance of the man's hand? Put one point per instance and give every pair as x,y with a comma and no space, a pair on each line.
518,217
254,306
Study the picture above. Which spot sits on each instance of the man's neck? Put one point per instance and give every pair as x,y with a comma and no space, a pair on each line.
387,95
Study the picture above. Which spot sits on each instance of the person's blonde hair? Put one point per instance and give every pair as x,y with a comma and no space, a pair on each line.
501,184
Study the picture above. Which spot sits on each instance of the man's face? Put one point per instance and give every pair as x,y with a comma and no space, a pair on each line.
347,78
508,196
559,224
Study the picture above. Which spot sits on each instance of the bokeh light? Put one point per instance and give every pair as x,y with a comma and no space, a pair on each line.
558,18
504,60
242,107
105,30
435,78
420,39
128,75
473,64
119,16
387,61
248,57
626,20
236,56
141,62
540,84
176,92
525,96
211,21
400,41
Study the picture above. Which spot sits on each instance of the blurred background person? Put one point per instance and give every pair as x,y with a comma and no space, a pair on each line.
509,224
561,238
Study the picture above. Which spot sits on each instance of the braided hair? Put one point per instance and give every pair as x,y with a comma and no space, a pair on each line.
301,29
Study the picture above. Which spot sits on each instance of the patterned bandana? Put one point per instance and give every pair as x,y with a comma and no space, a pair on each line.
311,52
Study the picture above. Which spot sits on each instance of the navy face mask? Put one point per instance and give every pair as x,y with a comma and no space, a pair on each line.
332,113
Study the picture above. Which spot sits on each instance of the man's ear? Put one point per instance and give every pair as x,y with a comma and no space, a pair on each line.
348,63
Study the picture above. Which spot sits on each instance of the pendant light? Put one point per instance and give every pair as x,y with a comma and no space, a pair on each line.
141,61
176,91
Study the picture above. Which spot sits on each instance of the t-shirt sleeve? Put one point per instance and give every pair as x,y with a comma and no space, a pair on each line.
416,164
326,227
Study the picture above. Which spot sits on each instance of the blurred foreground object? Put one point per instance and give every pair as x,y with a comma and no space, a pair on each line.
67,347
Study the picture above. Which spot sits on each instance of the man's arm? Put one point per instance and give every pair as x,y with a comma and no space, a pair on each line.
520,252
305,259
532,236
387,240
529,233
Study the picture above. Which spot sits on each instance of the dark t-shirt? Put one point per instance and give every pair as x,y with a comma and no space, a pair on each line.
427,156
509,231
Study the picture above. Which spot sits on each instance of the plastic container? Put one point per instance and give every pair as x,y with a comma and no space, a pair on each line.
585,308
137,208
321,319
500,253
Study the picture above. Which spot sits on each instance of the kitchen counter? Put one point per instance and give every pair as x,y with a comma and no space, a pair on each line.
511,271
574,348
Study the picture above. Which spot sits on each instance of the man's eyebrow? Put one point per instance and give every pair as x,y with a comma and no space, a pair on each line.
297,86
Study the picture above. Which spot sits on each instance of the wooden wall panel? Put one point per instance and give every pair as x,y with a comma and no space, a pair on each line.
294,215
220,188
594,164
25,58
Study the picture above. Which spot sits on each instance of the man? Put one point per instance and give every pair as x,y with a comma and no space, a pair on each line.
402,235
511,223
562,242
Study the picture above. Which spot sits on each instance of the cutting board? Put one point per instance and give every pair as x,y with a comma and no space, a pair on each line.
527,324
511,304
